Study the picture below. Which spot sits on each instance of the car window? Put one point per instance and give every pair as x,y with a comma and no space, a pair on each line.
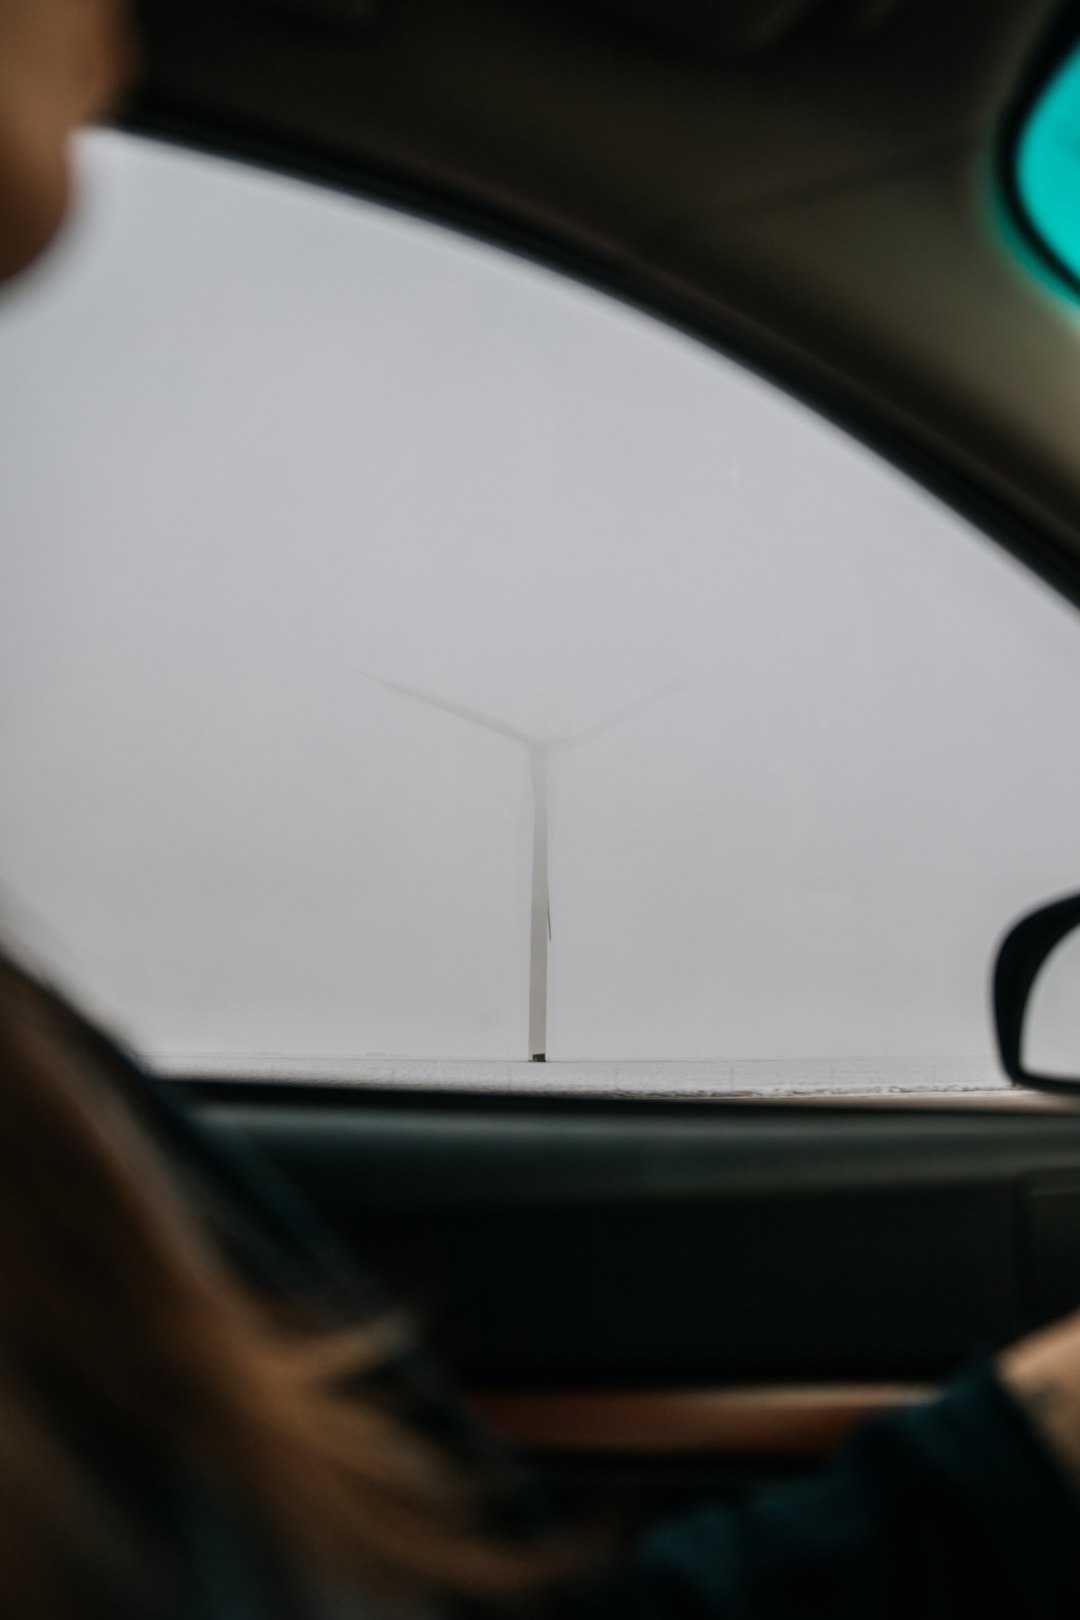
413,663
1044,171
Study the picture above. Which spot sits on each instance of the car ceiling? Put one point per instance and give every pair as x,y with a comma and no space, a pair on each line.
809,183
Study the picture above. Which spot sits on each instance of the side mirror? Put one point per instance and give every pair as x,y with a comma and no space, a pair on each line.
1037,998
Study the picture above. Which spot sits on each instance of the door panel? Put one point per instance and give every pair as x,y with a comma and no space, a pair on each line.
563,1246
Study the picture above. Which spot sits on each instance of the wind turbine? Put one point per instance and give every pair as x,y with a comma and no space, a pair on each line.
539,751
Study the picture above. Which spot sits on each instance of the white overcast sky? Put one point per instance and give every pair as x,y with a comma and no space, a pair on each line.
263,443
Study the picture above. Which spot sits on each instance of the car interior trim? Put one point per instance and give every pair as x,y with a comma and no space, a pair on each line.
808,1422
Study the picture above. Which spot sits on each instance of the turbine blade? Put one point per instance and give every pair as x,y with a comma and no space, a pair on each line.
460,711
609,723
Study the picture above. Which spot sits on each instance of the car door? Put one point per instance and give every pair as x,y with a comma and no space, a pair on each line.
544,787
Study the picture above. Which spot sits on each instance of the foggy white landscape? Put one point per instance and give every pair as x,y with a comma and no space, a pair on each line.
408,656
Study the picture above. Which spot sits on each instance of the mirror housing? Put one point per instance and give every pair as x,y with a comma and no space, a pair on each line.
1019,976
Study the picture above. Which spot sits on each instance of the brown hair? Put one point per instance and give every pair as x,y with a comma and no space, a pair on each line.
125,1335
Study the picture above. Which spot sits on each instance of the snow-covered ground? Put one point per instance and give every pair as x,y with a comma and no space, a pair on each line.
787,1077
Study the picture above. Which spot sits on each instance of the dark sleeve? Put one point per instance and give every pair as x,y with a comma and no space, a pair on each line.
947,1510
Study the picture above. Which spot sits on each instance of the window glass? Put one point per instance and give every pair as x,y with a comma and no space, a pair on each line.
412,662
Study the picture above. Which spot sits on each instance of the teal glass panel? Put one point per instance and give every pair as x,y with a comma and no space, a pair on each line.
1048,167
